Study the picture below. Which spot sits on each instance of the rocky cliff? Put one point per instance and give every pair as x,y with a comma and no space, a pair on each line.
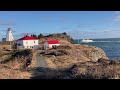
66,55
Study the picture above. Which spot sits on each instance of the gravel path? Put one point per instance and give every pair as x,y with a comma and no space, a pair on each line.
40,62
40,70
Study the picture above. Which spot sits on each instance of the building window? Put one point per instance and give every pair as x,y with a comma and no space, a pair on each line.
34,41
31,47
27,46
26,42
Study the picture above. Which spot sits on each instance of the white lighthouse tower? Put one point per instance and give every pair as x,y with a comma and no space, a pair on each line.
9,35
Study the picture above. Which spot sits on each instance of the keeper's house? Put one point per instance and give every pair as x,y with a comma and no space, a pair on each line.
27,42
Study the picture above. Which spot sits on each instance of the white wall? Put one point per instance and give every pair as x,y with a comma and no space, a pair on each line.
30,44
9,36
50,45
46,45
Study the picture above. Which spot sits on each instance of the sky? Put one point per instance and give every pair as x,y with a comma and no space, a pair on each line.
78,24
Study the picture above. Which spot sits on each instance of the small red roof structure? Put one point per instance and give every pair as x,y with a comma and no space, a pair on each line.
52,41
28,38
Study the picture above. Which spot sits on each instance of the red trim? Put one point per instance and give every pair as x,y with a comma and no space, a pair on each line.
52,41
28,38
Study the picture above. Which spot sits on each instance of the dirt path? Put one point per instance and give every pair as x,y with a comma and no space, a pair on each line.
40,62
40,69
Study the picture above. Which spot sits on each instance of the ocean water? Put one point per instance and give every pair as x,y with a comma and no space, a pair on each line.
111,46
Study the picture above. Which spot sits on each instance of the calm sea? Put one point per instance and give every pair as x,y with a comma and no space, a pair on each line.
111,46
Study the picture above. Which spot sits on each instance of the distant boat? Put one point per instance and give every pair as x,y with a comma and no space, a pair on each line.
87,40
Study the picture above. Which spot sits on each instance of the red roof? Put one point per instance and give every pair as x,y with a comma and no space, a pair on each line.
28,38
52,41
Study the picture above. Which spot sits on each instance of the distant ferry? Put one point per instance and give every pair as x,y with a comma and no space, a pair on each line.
87,40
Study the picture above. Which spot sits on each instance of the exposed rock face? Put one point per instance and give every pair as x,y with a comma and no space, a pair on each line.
95,53
64,57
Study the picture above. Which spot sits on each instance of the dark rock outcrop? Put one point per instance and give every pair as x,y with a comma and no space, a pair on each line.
103,61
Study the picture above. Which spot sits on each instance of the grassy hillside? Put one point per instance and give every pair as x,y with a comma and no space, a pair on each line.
63,37
13,64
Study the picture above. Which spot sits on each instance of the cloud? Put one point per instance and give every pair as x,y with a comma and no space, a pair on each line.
106,30
117,18
117,12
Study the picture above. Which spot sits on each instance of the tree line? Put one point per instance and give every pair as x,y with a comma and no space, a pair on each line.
42,36
37,36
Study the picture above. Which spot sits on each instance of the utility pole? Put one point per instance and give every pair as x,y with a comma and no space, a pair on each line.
10,44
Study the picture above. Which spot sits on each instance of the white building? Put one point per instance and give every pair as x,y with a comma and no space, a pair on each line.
9,35
27,42
51,43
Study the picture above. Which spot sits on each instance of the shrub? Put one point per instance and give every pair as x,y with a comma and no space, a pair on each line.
113,62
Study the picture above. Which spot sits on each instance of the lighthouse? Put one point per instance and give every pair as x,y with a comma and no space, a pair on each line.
9,35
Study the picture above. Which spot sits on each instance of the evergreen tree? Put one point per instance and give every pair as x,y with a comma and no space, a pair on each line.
35,36
64,33
40,36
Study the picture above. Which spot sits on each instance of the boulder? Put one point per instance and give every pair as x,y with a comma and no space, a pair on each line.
95,53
